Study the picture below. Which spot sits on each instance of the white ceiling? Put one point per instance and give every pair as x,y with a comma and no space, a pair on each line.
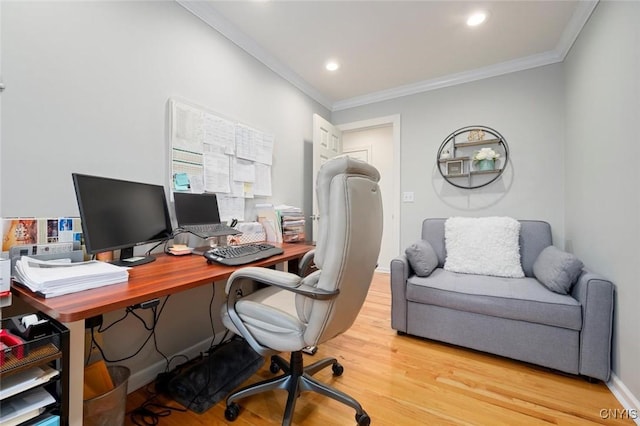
388,49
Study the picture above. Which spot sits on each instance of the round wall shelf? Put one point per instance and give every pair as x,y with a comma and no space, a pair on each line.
456,155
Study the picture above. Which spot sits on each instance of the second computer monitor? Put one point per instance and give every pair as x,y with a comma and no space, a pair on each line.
196,209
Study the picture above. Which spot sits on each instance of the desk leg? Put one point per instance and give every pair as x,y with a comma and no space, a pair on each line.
76,371
292,266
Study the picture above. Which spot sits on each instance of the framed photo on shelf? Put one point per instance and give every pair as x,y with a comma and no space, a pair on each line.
454,167
475,135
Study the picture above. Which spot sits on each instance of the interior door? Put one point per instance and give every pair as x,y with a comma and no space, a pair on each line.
327,143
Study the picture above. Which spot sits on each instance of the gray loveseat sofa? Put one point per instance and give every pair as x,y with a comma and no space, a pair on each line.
517,318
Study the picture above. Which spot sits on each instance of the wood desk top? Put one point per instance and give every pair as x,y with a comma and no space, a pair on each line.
167,275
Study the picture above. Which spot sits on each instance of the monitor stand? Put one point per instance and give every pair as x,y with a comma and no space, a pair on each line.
128,259
213,242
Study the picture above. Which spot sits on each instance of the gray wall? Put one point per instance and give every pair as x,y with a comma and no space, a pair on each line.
87,85
87,90
572,132
602,202
525,107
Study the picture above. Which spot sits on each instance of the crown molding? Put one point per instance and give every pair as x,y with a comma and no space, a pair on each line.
570,34
578,20
451,80
208,14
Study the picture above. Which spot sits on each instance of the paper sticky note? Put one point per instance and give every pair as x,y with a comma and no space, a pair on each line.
181,181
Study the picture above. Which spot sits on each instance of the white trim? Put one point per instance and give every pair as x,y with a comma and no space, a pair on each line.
369,123
366,148
209,15
393,120
521,64
624,396
570,34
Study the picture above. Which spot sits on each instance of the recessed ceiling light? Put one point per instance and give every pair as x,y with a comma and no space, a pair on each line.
332,65
476,19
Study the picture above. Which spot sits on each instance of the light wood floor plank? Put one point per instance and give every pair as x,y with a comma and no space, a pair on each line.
403,380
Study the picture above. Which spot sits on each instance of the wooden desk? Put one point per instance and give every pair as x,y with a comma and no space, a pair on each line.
167,275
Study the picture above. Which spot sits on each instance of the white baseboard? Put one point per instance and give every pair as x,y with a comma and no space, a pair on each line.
625,397
149,374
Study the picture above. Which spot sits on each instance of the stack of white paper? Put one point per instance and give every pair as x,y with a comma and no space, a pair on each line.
25,406
26,379
51,278
268,218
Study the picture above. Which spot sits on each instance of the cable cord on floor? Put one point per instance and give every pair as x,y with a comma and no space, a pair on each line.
212,345
145,414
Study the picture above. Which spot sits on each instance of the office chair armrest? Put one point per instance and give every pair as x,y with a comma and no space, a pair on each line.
263,275
280,279
284,280
315,293
306,264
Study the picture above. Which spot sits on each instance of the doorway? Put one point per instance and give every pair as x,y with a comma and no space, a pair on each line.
384,154
377,141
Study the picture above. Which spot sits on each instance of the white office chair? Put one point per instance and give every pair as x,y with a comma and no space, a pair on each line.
295,312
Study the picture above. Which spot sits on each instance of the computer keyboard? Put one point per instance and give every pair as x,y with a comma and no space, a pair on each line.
240,255
211,230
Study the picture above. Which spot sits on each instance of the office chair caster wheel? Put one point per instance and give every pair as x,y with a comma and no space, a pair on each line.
338,369
363,419
274,367
232,411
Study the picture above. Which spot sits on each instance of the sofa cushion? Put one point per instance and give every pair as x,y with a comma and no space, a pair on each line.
535,235
422,258
557,269
483,245
523,299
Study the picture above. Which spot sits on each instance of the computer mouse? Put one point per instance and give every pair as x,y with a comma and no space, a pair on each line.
211,257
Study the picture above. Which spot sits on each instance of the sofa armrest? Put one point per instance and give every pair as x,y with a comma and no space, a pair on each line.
596,295
400,271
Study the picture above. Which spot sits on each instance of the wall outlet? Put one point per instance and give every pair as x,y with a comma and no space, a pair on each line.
407,197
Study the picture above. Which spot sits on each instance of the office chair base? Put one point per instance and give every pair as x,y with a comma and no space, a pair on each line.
310,350
295,380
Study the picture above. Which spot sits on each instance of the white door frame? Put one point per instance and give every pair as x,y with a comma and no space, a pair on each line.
393,120
354,152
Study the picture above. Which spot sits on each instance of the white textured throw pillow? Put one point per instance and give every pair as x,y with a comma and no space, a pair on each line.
484,245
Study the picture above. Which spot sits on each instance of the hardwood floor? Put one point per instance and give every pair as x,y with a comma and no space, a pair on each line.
403,380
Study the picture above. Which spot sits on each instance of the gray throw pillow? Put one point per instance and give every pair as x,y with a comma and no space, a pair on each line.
422,258
556,269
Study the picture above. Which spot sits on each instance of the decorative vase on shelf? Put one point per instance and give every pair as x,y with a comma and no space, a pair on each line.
484,165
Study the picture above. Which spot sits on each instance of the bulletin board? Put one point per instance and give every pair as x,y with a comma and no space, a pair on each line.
210,153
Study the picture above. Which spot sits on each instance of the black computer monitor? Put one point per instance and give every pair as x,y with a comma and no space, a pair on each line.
119,214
